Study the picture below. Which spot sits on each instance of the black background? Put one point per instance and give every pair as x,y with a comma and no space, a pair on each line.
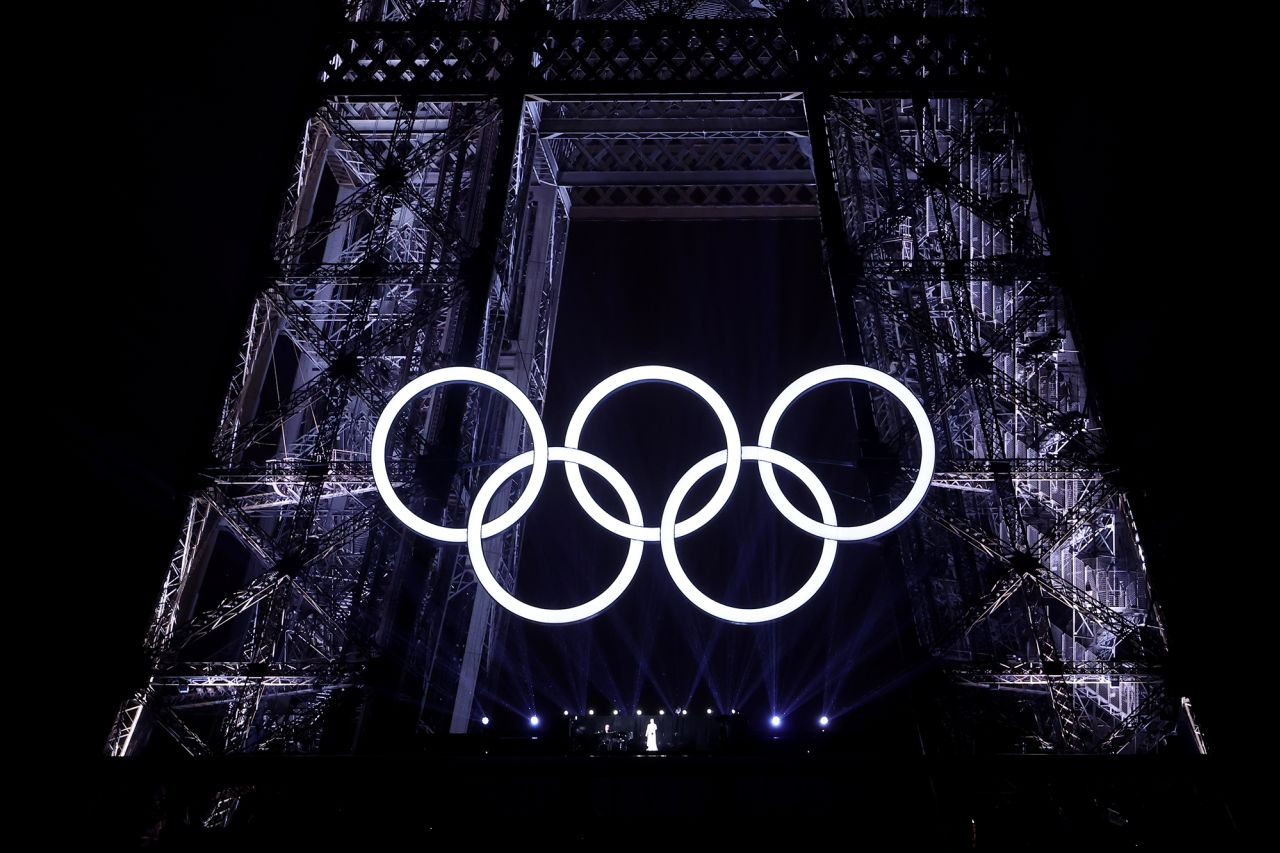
173,175
747,307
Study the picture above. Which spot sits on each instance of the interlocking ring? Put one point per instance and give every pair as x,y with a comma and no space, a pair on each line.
842,373
669,529
569,456
668,376
747,615
455,376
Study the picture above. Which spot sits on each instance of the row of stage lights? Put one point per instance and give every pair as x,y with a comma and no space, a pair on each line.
775,721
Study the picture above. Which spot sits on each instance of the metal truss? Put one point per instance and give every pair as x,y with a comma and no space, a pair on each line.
426,225
533,52
954,293
410,10
394,255
681,159
1035,673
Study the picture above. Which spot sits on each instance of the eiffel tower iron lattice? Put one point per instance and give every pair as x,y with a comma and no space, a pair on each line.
451,148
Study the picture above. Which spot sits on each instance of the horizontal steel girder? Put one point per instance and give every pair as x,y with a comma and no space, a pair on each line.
464,60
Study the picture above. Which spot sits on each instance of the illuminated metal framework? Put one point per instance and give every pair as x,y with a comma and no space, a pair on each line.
427,226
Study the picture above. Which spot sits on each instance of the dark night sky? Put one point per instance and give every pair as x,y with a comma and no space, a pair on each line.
747,307
188,157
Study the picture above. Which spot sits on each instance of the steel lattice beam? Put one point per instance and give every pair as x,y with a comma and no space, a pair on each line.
460,150
533,55
958,297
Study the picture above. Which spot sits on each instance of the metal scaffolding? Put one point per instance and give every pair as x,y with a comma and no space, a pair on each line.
427,225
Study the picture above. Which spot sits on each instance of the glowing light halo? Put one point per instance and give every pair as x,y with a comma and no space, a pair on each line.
826,376
545,615
747,615
670,529
668,376
457,376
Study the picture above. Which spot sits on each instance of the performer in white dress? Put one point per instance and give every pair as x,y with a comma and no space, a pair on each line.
651,736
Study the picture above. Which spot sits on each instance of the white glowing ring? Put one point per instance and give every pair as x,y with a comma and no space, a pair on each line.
669,376
546,615
669,529
841,373
747,615
455,376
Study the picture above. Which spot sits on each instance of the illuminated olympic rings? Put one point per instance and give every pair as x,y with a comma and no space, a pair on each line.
669,528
